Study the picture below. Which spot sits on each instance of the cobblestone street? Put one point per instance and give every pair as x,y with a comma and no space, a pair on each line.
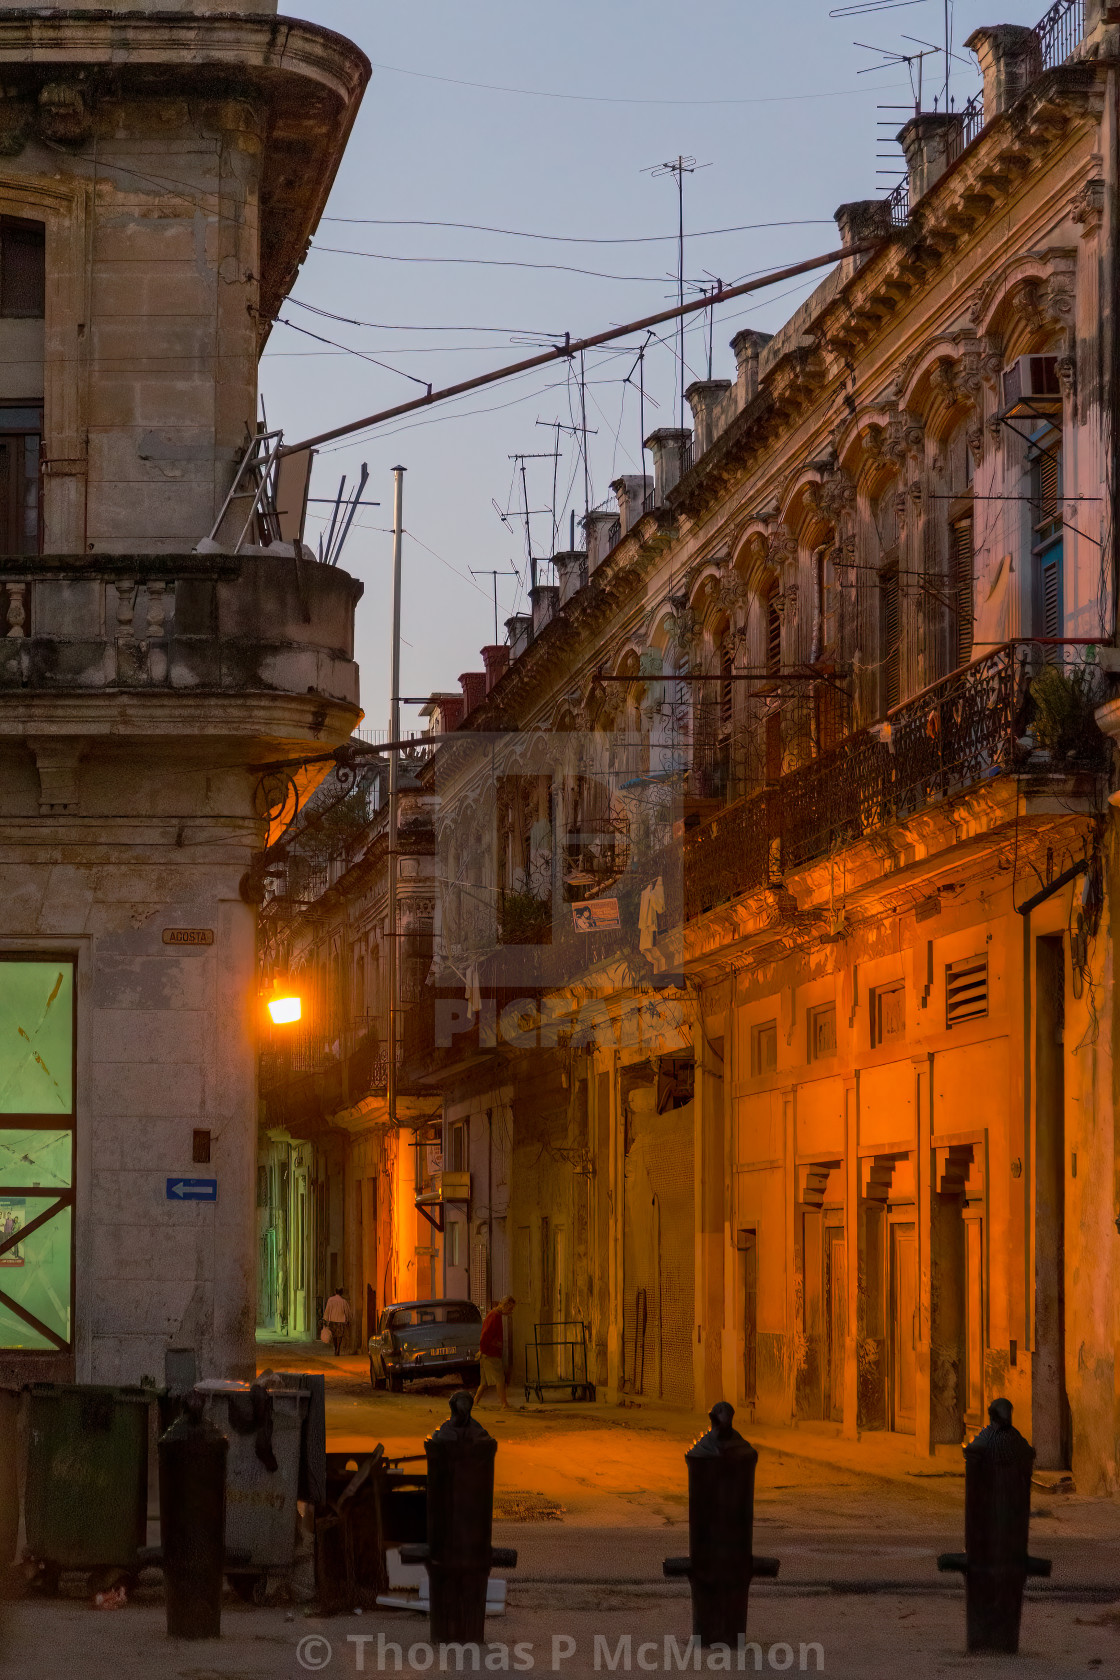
601,1492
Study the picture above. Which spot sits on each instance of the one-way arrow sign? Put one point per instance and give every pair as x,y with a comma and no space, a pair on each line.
192,1189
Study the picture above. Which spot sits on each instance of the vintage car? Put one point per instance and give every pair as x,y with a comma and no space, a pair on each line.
417,1339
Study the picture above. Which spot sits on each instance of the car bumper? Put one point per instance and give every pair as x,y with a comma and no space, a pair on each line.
430,1367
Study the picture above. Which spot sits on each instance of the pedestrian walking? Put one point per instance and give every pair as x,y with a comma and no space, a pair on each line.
336,1317
491,1352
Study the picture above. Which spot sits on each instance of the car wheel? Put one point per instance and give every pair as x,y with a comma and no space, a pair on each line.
376,1380
471,1376
396,1383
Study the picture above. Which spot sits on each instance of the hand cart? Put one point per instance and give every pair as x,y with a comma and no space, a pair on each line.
564,1346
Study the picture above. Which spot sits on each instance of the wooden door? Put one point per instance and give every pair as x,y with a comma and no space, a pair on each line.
904,1326
973,1384
837,1319
750,1316
816,1364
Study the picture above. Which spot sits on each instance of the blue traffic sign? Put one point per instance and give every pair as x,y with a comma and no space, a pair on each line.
192,1189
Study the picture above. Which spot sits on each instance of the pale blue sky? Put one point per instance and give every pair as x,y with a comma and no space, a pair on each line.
767,96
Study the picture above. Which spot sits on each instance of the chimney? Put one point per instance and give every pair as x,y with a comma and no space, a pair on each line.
630,492
863,219
473,684
597,527
444,713
667,446
1010,58
496,660
545,599
931,143
748,346
571,569
707,398
519,633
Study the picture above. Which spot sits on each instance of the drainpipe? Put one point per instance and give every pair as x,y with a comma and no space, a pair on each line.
1110,296
394,800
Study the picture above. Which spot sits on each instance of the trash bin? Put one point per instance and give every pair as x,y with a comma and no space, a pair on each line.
265,1428
86,1495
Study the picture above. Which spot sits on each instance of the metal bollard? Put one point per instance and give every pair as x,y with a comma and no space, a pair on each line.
192,1505
721,1562
997,1514
458,1553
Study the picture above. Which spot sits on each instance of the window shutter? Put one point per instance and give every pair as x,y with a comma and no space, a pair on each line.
962,582
966,990
889,638
773,635
1051,568
726,692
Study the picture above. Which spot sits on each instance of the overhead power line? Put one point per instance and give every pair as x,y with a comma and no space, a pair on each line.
616,99
493,262
574,239
570,347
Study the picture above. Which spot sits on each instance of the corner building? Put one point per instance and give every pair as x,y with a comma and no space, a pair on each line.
161,174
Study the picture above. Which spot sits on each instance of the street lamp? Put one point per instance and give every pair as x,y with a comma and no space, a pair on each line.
285,1005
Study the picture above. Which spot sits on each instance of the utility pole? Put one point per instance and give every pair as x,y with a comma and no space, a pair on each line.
495,576
394,794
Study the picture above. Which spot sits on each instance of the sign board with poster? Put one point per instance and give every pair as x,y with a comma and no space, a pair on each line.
13,1217
592,915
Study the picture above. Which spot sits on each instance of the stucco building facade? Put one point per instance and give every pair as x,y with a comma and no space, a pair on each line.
838,1143
160,178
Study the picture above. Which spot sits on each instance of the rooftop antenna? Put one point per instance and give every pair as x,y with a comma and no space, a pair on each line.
554,425
583,431
864,6
678,167
640,368
891,57
526,511
495,576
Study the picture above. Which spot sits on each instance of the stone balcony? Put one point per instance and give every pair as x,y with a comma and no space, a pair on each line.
195,629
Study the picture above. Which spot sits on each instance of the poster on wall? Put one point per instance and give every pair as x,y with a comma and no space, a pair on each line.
13,1217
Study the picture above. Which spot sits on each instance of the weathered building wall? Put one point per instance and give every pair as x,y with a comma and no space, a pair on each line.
139,681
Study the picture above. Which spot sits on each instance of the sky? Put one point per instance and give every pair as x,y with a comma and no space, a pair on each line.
552,120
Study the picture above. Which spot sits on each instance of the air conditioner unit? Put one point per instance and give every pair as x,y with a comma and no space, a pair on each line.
1031,386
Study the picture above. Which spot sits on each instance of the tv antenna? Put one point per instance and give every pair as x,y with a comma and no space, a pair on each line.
583,431
678,168
864,6
526,511
890,58
495,576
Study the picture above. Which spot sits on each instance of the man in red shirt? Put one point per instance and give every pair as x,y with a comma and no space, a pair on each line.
491,1354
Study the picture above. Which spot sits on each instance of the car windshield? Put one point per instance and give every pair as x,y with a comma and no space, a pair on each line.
434,1312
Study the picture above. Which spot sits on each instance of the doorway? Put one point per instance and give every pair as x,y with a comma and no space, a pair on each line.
748,1248
836,1288
904,1325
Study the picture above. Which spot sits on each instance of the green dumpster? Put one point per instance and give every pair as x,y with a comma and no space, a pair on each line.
86,1493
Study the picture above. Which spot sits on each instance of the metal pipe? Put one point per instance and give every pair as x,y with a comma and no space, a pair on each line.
394,795
570,347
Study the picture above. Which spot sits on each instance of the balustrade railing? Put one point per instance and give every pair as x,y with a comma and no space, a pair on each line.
1003,713
1060,31
356,1046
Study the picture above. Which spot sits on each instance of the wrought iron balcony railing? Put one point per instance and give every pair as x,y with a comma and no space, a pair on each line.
353,1048
1025,707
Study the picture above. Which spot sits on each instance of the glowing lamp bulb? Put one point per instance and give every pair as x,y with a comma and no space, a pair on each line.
284,1010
